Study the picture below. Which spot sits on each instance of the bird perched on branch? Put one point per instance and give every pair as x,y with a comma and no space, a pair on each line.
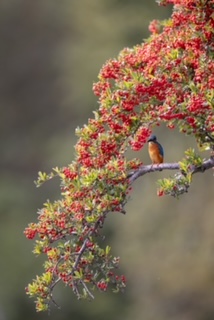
155,149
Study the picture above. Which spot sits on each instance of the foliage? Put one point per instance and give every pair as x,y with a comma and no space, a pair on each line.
169,78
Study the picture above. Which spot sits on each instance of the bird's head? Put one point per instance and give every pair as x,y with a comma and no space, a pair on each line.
152,138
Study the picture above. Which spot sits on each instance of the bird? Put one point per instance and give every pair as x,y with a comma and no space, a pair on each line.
155,150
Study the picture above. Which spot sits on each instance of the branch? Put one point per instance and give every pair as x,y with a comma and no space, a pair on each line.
207,164
87,290
80,253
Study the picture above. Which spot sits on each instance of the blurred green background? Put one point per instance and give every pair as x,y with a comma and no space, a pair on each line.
51,53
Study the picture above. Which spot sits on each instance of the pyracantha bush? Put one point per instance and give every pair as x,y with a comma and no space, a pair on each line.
169,78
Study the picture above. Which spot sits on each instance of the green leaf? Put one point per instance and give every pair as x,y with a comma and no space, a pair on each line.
107,250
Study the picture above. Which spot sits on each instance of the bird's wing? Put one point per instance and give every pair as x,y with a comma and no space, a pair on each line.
160,149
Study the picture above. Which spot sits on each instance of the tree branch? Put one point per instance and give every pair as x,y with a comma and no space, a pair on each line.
134,175
80,253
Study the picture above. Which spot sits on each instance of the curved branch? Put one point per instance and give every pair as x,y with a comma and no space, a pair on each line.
207,164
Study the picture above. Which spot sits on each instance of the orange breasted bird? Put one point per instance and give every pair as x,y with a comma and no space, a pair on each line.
155,149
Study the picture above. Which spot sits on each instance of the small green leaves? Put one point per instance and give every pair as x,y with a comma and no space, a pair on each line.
204,146
78,274
39,289
180,182
43,176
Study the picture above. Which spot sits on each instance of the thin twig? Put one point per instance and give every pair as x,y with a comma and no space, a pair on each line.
86,289
80,253
75,289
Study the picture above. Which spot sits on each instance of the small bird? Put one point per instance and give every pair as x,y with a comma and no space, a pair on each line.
155,150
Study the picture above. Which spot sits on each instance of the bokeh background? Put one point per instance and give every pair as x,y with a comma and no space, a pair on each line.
50,55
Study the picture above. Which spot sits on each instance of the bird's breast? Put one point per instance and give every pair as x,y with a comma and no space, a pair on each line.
155,153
